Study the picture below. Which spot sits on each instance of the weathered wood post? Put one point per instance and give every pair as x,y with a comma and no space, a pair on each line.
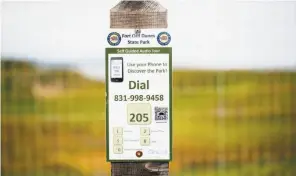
139,90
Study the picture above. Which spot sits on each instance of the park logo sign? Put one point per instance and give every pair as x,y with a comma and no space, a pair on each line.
138,83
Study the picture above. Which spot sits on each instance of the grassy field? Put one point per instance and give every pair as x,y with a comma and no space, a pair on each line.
247,119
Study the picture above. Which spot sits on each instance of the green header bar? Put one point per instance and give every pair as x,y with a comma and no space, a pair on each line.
151,50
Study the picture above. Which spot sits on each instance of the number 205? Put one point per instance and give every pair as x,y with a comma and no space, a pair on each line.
139,119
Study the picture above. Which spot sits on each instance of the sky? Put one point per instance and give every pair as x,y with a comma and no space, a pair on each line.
206,34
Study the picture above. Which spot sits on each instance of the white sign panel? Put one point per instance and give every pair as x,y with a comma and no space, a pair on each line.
138,84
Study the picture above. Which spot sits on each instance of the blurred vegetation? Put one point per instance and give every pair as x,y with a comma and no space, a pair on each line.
53,122
17,77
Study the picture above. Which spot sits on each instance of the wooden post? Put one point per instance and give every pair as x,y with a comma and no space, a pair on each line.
139,169
140,14
143,14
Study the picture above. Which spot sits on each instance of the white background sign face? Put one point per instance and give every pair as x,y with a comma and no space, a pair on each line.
139,107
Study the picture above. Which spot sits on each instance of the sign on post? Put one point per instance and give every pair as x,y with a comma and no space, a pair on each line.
139,104
138,83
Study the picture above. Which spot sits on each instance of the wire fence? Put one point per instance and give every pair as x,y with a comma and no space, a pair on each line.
225,123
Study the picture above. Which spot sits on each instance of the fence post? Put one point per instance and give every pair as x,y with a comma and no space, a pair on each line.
150,15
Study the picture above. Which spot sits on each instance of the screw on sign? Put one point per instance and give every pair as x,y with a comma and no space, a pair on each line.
139,154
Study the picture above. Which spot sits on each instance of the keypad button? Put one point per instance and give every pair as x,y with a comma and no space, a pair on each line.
117,131
118,149
117,140
145,131
145,141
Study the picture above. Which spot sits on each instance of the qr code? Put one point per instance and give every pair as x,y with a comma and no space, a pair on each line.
161,113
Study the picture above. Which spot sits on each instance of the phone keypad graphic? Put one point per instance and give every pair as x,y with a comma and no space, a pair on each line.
117,140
